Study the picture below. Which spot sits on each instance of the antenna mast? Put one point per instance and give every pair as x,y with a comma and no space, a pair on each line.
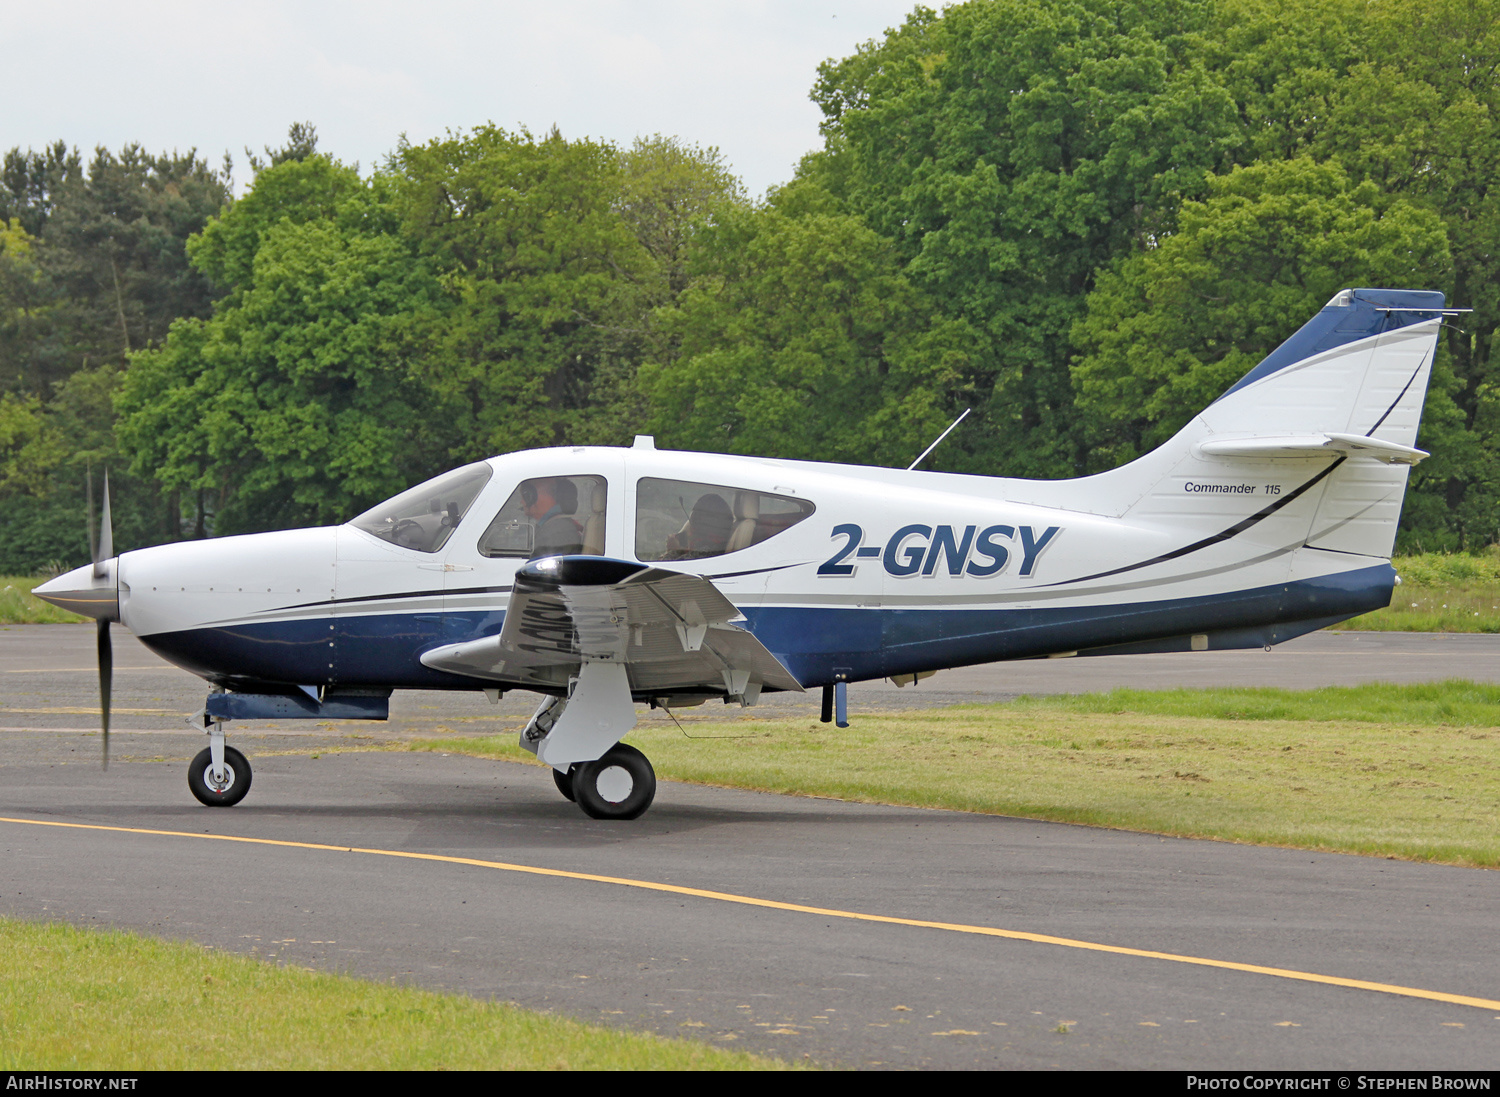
939,438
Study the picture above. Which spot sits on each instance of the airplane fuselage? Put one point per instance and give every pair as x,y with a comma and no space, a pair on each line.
889,573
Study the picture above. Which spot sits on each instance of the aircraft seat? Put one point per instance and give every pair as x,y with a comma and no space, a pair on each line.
747,516
593,526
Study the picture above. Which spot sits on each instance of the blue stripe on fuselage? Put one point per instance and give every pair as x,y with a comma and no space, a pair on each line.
815,643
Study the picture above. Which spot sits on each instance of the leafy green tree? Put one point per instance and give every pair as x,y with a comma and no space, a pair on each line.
1420,115
92,266
48,452
670,194
298,401
24,304
484,293
297,192
1284,64
1171,328
556,254
29,450
1010,150
301,143
1174,326
112,253
801,337
31,183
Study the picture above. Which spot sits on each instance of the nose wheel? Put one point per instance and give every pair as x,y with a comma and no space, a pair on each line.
620,785
224,789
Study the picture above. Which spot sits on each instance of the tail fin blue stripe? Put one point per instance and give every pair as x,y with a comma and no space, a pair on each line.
1351,316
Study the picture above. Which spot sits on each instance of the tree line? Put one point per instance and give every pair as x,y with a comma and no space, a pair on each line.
1082,219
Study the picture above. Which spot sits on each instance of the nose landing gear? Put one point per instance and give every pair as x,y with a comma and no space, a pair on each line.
225,788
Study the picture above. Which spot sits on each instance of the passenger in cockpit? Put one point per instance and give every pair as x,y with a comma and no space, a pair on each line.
706,532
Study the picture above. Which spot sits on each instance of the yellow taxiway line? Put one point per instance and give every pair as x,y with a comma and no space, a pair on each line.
800,908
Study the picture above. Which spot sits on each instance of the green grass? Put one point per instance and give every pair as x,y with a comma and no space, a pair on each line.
1455,703
1440,592
74,999
1399,771
18,607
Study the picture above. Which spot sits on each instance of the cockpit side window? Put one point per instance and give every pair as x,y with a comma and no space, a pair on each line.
424,517
677,520
549,516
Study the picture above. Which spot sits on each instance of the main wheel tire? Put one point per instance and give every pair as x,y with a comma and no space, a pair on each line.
564,782
236,778
621,785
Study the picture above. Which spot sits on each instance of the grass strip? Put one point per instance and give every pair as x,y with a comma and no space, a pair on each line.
1456,703
84,999
1413,773
1440,592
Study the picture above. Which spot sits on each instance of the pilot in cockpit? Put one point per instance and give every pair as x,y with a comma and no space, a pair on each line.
550,503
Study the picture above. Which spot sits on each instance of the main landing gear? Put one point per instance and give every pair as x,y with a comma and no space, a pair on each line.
620,785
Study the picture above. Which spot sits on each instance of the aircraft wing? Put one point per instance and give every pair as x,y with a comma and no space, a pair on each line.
673,632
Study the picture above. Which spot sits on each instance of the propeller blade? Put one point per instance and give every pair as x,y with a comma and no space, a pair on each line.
89,529
106,548
102,550
106,677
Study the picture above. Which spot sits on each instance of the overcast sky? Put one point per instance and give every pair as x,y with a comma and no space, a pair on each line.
220,76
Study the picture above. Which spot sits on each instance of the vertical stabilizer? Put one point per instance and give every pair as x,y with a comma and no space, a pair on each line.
1314,445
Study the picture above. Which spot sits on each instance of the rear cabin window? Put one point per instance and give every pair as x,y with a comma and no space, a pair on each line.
549,516
678,520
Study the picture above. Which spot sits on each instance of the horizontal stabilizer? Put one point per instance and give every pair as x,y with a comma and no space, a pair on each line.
1312,445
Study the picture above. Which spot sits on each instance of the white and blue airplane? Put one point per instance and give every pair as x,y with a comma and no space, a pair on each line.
604,578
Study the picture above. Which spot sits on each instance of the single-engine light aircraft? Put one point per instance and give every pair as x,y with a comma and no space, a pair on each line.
604,578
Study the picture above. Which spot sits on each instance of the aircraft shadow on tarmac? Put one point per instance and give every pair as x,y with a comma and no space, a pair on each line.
467,816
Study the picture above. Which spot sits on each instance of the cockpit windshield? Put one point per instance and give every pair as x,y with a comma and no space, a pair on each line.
424,517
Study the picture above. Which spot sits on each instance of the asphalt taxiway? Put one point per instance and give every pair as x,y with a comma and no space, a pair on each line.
744,919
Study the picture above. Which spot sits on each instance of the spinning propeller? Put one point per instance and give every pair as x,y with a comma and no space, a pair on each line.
102,550
219,776
94,591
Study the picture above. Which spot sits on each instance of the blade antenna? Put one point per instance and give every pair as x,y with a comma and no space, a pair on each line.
939,438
